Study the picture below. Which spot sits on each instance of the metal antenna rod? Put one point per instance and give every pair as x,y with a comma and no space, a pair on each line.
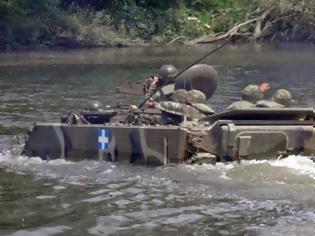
186,68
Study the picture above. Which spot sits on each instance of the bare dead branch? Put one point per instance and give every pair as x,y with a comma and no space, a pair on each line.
258,30
228,34
175,39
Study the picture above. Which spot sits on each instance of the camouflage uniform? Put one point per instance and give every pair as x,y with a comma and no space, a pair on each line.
197,99
268,104
151,94
242,104
250,95
189,104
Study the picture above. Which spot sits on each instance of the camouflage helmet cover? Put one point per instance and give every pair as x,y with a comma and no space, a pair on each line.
172,108
168,72
179,95
204,108
180,109
283,97
251,93
195,96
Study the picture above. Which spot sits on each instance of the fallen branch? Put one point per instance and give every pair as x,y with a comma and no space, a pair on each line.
228,34
258,30
175,39
269,24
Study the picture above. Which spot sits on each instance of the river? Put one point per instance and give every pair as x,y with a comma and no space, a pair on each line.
99,198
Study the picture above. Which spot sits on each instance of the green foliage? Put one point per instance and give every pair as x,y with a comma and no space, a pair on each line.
25,20
293,19
117,22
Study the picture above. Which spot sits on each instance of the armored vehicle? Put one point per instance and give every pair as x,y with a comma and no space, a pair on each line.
233,135
256,133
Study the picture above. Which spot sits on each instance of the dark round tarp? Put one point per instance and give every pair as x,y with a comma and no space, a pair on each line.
201,77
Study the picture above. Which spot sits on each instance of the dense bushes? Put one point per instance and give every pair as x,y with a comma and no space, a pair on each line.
291,20
77,23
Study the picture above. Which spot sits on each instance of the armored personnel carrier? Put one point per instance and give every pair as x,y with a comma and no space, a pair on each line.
105,134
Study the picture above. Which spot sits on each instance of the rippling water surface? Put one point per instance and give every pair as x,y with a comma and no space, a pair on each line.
99,198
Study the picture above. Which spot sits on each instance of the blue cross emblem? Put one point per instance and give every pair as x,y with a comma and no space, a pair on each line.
103,139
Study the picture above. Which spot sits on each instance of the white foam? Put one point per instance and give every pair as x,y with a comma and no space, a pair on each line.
7,158
297,164
300,164
44,197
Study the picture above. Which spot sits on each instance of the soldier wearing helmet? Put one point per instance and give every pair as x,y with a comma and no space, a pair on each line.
280,99
190,104
250,95
166,75
283,97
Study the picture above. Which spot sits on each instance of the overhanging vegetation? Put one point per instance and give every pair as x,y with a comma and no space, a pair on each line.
86,23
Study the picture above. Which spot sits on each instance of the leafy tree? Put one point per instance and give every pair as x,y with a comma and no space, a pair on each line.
25,20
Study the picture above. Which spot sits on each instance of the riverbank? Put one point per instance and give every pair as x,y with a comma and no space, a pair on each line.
53,24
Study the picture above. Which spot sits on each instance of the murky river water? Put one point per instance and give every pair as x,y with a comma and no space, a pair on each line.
51,198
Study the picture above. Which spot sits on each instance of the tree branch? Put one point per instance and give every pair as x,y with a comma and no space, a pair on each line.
258,30
175,39
228,34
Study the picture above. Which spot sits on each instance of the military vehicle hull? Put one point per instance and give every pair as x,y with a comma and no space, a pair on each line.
262,133
142,145
256,133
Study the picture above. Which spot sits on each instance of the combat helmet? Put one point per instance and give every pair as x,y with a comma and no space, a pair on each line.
283,97
178,104
168,72
195,96
179,95
181,109
93,106
197,99
174,108
251,93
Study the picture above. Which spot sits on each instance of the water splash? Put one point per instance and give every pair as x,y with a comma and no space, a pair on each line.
299,164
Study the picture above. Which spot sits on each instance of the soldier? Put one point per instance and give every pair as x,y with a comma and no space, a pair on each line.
250,95
280,99
283,97
138,118
197,99
189,104
166,74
